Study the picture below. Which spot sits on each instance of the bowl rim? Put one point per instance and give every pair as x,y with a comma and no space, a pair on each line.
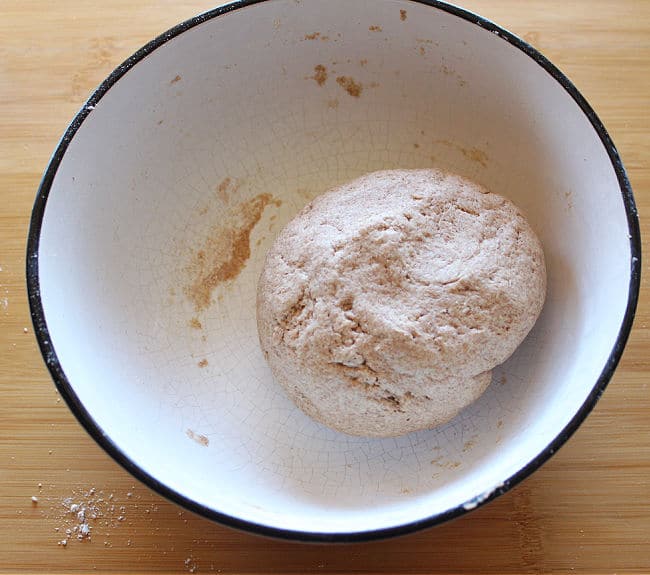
90,425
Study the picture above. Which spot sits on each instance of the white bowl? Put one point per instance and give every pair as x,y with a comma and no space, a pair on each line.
132,193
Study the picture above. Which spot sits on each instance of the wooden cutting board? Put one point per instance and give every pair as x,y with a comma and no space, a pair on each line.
587,510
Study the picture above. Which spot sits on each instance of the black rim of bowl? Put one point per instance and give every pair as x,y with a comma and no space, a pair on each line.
86,420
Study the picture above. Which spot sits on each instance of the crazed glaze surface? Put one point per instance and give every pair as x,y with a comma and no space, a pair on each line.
385,303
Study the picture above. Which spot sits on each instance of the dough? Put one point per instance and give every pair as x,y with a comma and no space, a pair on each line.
384,304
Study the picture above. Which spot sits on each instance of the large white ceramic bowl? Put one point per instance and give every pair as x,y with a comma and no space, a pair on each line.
289,98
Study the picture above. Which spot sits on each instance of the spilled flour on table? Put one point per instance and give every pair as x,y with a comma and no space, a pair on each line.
79,515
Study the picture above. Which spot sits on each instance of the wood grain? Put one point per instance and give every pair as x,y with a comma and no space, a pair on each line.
586,511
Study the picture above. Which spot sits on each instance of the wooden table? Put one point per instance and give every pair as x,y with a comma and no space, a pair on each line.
587,510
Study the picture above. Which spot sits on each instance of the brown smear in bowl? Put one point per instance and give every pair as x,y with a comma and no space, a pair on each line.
225,251
350,85
200,439
320,74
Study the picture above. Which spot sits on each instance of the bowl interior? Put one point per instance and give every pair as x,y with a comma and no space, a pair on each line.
290,98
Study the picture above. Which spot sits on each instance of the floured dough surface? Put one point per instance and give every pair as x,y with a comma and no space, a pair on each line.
384,304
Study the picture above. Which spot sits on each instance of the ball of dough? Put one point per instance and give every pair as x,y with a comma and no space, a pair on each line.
384,304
